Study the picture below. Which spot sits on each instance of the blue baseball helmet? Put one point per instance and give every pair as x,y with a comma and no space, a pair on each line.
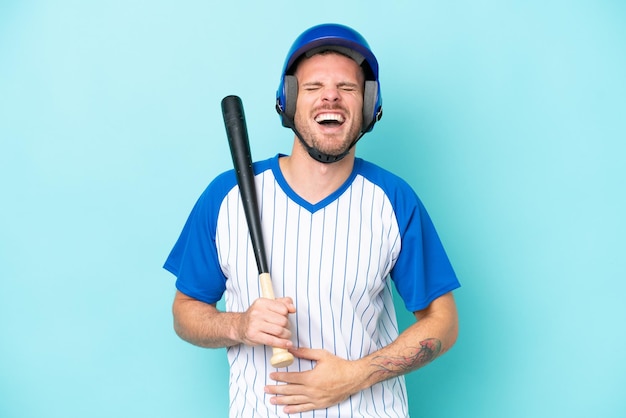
340,38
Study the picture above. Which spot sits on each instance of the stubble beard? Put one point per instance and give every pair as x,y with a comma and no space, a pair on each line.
332,144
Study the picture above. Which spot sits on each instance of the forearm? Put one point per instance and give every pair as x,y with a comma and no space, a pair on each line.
265,322
433,334
203,324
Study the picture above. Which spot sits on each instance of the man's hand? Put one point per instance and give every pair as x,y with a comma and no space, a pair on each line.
266,322
331,381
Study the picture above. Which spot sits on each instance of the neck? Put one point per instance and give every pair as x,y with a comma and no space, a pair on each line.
313,180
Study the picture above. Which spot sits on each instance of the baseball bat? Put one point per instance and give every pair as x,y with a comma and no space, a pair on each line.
237,134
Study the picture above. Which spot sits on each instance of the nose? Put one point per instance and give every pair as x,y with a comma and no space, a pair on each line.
330,94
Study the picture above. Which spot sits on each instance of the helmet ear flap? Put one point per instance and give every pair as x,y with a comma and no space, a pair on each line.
290,92
370,101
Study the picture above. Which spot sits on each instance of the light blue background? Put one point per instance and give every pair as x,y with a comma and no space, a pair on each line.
507,117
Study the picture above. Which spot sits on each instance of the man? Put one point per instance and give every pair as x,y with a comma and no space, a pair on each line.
338,230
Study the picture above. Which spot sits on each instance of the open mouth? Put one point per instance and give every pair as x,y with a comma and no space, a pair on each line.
330,119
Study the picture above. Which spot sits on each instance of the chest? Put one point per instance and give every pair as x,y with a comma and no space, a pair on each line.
343,250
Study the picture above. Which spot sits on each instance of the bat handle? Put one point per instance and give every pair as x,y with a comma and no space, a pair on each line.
280,357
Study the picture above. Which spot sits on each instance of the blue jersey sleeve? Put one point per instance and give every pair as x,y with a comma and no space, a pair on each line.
422,271
193,259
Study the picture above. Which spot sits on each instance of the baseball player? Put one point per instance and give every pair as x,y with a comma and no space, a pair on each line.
339,232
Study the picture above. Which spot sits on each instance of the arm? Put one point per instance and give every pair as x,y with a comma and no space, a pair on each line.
202,324
433,334
334,379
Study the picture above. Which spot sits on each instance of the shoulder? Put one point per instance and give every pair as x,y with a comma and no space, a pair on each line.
224,183
404,200
395,187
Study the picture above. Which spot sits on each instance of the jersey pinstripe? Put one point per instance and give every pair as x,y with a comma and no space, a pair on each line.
334,258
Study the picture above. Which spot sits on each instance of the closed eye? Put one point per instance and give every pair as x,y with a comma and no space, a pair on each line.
311,86
348,87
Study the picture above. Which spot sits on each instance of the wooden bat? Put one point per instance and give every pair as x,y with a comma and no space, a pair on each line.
237,133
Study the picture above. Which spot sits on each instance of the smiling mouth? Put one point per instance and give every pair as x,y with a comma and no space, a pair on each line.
330,119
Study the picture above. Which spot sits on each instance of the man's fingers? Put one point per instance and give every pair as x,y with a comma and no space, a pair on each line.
302,402
294,398
282,306
291,308
267,323
308,353
264,332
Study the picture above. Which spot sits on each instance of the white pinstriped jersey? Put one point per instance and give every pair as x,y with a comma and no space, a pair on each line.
334,258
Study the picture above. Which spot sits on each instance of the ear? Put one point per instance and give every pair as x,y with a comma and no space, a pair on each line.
370,98
290,87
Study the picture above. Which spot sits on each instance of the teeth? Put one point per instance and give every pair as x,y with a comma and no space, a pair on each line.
326,117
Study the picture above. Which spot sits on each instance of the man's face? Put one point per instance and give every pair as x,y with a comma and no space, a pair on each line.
330,102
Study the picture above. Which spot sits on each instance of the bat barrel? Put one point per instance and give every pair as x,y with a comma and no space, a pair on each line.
237,133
